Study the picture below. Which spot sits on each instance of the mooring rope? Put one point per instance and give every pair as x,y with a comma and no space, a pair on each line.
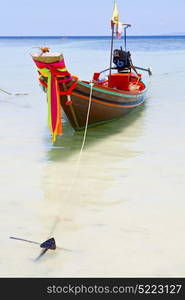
58,218
16,94
5,92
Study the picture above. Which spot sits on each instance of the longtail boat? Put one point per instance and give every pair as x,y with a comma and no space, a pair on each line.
88,103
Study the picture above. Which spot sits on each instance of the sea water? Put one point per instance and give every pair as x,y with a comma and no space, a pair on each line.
122,215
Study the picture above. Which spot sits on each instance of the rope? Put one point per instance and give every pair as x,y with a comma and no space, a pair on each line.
5,92
86,125
16,94
57,220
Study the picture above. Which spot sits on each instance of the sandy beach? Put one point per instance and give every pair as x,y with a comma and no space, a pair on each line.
124,216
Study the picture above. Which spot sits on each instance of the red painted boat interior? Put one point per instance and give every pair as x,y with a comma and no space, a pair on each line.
128,82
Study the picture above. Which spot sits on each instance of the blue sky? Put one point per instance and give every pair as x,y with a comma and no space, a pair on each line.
83,17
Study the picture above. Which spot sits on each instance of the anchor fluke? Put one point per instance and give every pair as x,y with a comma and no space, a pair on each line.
49,244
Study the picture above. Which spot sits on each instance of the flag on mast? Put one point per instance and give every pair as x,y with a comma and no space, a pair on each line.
115,16
115,21
119,30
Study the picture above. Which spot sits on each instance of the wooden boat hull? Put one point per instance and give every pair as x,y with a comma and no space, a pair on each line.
106,104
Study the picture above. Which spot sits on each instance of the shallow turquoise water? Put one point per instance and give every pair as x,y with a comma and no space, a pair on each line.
124,215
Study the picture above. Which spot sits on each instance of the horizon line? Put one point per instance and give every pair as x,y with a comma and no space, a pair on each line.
73,36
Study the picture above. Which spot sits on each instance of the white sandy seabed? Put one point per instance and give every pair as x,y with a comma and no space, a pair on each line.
125,214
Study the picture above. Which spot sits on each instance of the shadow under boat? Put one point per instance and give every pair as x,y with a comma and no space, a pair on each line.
70,142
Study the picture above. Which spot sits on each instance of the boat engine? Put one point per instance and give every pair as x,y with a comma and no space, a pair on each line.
122,59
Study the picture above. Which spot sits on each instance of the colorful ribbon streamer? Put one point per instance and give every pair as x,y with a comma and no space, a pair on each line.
52,71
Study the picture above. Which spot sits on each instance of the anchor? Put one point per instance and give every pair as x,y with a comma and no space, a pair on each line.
49,244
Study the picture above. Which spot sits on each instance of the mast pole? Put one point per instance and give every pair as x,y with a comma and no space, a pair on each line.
111,51
125,34
125,38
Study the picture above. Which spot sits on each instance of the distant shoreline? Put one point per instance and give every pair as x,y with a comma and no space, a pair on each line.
92,37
